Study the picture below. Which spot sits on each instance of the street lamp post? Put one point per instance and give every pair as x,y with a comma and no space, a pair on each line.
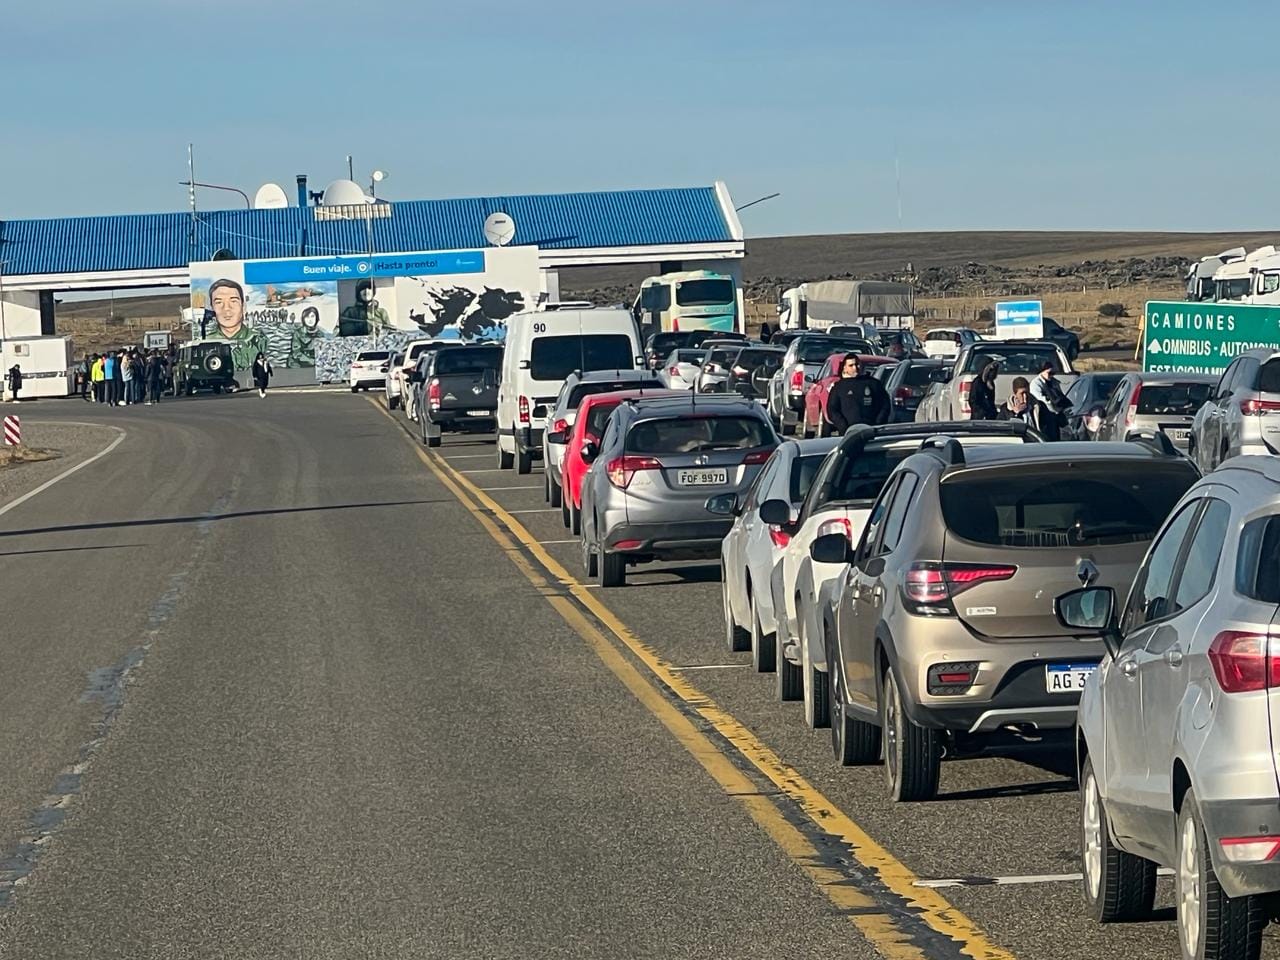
757,200
216,186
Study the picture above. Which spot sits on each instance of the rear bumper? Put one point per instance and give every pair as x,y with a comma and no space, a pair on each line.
1242,818
459,418
678,540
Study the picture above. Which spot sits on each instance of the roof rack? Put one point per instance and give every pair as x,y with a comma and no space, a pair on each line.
1156,441
948,449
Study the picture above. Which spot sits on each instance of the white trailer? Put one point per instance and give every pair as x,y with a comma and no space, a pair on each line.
819,305
45,362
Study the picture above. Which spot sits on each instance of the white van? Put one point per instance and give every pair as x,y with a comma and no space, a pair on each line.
542,349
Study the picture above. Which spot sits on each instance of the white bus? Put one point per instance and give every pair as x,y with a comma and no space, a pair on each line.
692,300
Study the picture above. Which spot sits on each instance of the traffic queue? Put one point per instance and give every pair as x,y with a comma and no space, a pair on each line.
905,551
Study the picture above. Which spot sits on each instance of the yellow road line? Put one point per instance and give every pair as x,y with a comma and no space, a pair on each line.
878,927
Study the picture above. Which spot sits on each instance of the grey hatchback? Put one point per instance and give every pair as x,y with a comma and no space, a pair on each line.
659,461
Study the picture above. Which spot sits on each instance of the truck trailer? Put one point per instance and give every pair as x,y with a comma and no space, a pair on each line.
45,362
819,305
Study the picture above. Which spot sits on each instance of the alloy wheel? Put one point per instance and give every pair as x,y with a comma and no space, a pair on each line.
1189,887
1091,817
890,729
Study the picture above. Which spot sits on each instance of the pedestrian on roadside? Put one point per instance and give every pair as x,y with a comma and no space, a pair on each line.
1019,405
15,382
1050,402
261,373
126,376
114,378
97,373
139,376
155,378
982,393
857,397
766,332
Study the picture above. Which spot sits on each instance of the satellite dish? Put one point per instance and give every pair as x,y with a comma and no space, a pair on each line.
270,196
343,193
499,229
222,253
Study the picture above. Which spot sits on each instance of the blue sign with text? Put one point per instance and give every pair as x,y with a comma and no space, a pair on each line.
1019,320
353,268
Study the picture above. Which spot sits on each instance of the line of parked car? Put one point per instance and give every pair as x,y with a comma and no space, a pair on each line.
937,586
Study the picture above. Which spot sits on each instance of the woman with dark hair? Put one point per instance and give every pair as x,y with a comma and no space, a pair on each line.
982,393
261,373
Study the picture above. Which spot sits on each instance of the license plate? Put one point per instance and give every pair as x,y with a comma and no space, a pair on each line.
1181,436
702,478
1067,677
479,413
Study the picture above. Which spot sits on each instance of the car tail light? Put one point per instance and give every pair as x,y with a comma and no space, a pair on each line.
1132,412
757,456
621,469
935,584
840,525
903,393
673,370
433,394
779,536
964,395
797,380
1256,408
628,544
523,406
560,426
740,371
1250,849
1243,661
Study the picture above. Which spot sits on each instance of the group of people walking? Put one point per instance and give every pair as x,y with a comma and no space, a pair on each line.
1039,401
124,377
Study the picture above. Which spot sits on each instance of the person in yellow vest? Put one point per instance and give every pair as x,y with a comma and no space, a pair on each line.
99,376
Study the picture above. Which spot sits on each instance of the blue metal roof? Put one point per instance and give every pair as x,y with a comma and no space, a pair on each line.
551,221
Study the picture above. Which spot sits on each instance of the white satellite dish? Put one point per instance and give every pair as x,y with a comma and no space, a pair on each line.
499,229
270,196
344,193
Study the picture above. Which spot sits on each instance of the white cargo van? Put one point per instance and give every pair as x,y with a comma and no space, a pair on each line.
542,349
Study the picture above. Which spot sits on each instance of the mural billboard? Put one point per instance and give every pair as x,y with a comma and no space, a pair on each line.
320,311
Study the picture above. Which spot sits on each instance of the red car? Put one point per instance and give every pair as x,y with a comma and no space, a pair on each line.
815,399
593,414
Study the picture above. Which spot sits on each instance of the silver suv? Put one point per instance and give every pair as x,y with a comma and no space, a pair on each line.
1179,726
646,495
1243,412
944,634
1155,403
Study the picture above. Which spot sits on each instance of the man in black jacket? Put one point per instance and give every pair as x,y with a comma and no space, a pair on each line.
857,397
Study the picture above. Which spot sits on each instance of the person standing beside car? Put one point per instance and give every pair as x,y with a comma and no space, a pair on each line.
982,393
1050,401
1018,406
857,397
15,382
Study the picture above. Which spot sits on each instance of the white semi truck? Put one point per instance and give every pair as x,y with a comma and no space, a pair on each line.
1254,278
822,304
1199,278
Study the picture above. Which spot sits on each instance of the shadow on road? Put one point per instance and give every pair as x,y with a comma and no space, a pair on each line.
1042,788
114,546
212,517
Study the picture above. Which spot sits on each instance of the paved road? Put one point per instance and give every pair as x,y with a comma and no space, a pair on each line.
272,689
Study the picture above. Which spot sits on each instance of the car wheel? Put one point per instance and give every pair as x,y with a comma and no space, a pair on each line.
912,753
505,460
575,520
434,441
589,561
556,496
355,389
613,569
817,714
524,461
393,403
790,677
1211,925
737,638
788,429
853,741
1118,887
762,644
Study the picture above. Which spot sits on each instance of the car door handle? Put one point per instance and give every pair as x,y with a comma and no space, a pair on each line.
1129,668
1173,656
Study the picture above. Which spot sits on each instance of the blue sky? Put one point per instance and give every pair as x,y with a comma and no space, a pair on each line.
1003,115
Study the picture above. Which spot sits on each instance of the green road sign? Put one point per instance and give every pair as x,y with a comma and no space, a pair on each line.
1204,337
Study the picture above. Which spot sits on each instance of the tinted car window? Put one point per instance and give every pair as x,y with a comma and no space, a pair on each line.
1201,564
898,512
803,471
1071,505
917,374
939,335
817,349
373,355
690,356
598,416
1150,600
698,293
697,433
722,355
468,360
754,358
1103,384
580,390
664,343
1012,359
698,337
554,358
1174,399
863,477
1269,377
1258,563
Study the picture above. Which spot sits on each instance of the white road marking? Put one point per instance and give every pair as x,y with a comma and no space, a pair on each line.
1011,880
65,473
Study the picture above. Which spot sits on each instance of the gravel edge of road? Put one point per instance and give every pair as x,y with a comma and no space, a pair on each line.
74,442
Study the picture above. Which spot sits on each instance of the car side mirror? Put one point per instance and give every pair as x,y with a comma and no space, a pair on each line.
776,512
556,436
831,548
724,505
1090,609
589,451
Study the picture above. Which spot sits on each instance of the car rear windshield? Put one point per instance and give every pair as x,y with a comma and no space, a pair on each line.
698,337
468,360
818,349
803,470
582,390
862,477
1269,377
697,433
1173,399
1013,359
690,356
938,335
664,343
917,375
722,355
554,358
597,417
373,355
704,293
754,358
1063,505
418,349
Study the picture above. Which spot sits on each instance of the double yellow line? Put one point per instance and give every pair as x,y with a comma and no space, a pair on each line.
902,921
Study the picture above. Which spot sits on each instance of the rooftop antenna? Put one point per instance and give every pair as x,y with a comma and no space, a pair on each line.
897,177
191,191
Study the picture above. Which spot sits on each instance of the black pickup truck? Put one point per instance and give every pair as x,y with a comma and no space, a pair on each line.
459,390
